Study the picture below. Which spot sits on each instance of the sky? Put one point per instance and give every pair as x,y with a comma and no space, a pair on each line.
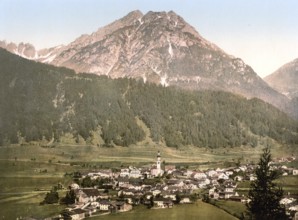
264,33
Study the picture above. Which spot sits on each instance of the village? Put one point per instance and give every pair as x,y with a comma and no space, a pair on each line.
104,191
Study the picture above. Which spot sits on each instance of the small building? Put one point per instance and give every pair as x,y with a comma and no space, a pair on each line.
252,177
122,206
86,195
124,173
155,192
199,175
123,181
119,206
170,168
241,199
104,205
212,173
135,173
163,203
226,195
169,195
238,178
223,176
185,200
229,173
77,214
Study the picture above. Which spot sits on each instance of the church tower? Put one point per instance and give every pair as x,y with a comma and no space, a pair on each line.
156,170
158,163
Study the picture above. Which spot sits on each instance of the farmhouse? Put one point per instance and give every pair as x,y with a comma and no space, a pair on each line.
86,195
104,205
77,214
163,203
199,175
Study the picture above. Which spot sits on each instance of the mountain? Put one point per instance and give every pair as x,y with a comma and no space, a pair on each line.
52,105
25,50
285,79
160,47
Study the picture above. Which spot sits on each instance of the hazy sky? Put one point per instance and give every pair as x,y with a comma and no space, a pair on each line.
264,33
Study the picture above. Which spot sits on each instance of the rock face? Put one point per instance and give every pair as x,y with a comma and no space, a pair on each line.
160,47
285,79
24,50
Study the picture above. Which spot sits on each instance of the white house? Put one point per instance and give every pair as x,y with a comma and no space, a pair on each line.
199,175
212,173
74,186
203,183
243,168
163,203
223,176
185,200
169,195
105,173
124,173
86,195
252,177
156,192
286,201
188,173
135,173
229,173
77,214
104,205
238,178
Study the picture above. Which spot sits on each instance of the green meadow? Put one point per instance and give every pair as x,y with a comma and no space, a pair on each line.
199,210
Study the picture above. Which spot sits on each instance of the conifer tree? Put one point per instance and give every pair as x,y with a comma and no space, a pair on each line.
264,193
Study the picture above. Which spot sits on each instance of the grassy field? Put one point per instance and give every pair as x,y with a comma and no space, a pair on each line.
138,154
234,208
199,210
27,205
289,185
24,184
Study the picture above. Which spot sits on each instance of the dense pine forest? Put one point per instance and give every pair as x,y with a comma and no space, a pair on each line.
43,102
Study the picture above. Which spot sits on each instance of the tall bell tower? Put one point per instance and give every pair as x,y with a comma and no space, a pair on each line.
158,163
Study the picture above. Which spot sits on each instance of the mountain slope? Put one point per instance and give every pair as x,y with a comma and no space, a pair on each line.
285,79
161,47
43,102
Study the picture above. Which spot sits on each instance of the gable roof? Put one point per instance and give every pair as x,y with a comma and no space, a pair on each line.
91,192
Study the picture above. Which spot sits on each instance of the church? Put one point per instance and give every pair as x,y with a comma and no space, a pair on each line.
156,169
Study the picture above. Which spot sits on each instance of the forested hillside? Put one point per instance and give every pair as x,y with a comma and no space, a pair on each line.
42,102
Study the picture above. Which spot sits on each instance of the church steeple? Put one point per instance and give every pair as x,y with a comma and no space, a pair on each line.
157,171
158,163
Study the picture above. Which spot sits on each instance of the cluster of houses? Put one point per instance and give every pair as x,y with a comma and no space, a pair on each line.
160,188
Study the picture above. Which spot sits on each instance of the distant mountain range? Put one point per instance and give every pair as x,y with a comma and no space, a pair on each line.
285,79
54,105
158,47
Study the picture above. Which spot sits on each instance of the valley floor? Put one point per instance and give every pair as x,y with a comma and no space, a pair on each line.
27,173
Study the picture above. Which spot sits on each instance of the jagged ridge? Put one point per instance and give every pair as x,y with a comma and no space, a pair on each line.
161,47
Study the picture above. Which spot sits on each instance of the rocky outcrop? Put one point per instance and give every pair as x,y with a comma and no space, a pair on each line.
162,48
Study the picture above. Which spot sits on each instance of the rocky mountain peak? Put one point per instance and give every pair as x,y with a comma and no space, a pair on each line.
128,20
160,47
132,16
25,50
285,79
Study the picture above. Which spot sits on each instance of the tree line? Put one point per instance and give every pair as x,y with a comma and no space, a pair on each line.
43,102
